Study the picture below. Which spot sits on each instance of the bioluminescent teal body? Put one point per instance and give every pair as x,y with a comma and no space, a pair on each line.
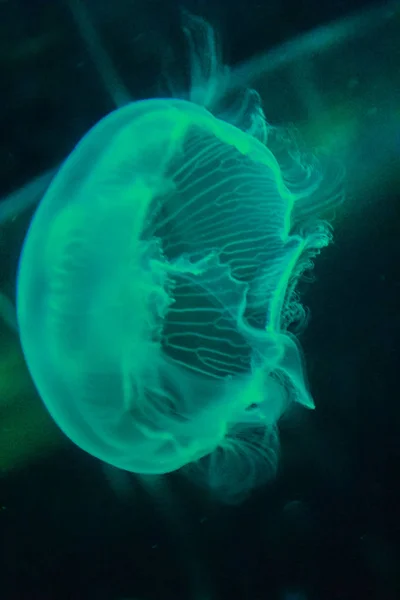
155,288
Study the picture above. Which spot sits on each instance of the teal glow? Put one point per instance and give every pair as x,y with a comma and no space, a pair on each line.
158,280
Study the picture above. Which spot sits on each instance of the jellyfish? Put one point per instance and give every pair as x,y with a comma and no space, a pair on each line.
157,283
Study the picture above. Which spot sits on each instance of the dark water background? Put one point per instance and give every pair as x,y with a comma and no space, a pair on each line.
329,527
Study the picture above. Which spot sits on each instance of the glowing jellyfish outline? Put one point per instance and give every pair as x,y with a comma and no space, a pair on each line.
229,440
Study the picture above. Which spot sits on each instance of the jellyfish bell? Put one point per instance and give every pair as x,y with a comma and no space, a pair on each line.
157,281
